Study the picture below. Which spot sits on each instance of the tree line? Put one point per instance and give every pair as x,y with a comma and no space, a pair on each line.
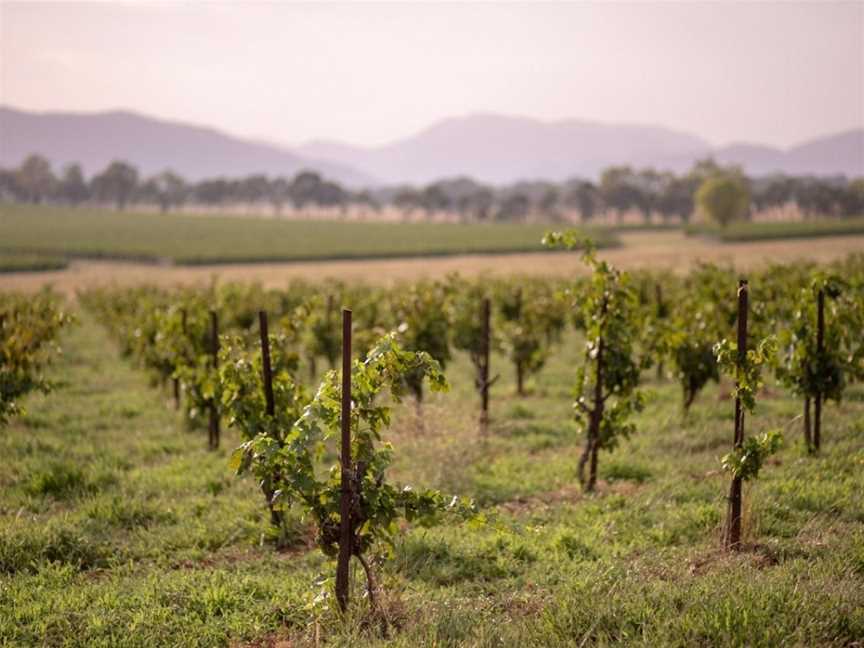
723,193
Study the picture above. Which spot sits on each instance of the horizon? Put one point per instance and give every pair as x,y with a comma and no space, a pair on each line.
559,64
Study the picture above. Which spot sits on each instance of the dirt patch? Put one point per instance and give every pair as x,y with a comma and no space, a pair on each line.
570,494
755,555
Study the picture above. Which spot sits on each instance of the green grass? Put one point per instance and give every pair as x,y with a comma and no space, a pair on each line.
780,230
117,527
223,239
14,262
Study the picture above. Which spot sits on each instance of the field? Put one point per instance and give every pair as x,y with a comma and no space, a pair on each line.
780,230
195,240
118,527
13,262
668,251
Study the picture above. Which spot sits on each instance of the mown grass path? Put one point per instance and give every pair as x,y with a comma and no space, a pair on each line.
118,528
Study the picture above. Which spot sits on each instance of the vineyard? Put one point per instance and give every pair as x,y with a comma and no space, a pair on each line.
619,457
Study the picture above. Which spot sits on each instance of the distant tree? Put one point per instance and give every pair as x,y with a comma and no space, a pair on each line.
253,189
35,179
172,190
305,188
724,198
330,194
73,188
115,184
585,198
434,199
676,197
212,192
708,168
855,206
9,188
478,203
365,199
774,191
408,200
280,193
621,189
167,189
514,208
549,203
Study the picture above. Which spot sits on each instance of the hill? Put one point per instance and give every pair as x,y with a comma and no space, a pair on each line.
498,149
489,148
501,149
94,139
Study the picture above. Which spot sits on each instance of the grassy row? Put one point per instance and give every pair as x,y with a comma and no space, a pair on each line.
217,239
118,527
779,230
13,262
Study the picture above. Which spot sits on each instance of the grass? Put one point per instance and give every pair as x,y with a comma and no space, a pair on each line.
15,262
117,527
220,239
779,230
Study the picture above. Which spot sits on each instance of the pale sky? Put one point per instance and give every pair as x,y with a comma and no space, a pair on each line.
774,73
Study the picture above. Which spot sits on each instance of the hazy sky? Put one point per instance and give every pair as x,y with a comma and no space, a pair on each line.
776,73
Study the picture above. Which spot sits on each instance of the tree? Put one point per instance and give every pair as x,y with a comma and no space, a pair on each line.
115,184
514,208
620,189
280,193
724,198
676,197
73,188
171,190
213,192
479,203
35,178
304,188
253,189
408,200
435,199
9,187
586,198
549,203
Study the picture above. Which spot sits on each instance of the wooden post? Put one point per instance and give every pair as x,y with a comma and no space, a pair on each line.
345,497
484,366
733,521
269,485
820,349
660,314
598,409
520,366
265,361
213,428
177,380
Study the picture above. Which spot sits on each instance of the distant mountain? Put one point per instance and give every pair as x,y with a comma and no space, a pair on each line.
490,148
840,154
499,149
153,145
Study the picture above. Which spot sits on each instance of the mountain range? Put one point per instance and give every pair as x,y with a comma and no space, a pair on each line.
153,145
487,147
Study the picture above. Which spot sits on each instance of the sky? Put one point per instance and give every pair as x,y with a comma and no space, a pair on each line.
367,74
